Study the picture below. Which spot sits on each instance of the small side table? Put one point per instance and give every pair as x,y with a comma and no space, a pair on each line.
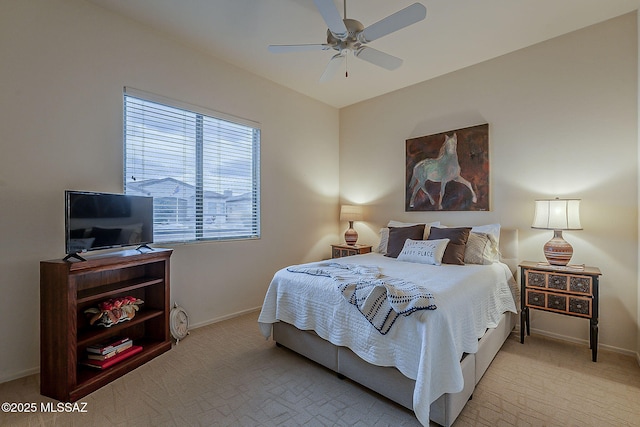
564,290
338,251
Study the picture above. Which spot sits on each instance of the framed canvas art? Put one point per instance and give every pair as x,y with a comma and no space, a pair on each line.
448,171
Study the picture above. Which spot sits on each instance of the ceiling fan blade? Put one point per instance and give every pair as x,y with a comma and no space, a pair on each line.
397,21
331,16
286,48
332,67
378,58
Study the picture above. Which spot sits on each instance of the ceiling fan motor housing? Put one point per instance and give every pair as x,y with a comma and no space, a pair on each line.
351,42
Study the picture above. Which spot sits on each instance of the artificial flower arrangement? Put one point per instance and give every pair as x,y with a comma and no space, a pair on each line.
113,311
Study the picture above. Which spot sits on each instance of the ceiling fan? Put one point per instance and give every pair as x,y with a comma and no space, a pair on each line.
348,35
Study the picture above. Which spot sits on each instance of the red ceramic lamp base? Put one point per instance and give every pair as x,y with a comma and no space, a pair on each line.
351,235
557,250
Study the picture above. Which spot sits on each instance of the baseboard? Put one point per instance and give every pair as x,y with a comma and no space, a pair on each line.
226,317
586,342
18,375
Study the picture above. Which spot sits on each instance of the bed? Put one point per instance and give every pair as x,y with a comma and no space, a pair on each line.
428,361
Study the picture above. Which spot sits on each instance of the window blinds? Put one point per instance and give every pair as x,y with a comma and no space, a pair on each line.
201,167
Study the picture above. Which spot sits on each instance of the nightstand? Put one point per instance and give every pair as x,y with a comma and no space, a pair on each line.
564,290
338,251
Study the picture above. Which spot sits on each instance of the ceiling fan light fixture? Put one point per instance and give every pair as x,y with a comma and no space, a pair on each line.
348,35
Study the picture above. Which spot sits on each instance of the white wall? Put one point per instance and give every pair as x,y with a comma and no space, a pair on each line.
562,122
63,66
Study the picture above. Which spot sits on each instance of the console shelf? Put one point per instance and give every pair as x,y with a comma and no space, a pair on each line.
108,291
69,288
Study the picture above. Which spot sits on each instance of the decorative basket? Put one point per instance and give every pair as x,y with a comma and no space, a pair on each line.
113,311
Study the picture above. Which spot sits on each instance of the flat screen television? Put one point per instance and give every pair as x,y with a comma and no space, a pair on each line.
103,220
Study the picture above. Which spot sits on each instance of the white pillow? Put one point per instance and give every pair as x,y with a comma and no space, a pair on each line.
423,251
384,233
384,241
479,249
493,231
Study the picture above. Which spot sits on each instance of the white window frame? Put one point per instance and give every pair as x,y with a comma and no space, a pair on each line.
198,221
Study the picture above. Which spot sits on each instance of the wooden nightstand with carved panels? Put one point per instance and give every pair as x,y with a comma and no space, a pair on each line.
338,251
564,290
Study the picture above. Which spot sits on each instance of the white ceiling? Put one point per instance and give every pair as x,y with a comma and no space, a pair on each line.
455,34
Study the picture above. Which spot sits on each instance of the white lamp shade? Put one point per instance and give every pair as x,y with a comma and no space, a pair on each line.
557,214
350,213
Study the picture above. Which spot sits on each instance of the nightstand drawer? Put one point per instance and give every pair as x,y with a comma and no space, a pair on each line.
536,299
537,279
558,282
569,283
562,303
557,302
582,285
580,306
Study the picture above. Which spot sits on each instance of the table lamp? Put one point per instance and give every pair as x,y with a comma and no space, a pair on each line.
557,215
350,213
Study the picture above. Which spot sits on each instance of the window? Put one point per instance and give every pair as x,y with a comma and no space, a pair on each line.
201,167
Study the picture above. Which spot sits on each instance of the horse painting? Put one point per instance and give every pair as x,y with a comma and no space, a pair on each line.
442,169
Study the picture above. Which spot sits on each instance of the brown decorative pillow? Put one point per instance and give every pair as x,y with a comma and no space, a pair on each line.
398,235
454,254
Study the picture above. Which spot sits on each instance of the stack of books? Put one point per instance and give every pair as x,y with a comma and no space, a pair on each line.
106,354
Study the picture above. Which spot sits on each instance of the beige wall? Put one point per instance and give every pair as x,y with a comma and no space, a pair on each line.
638,265
63,66
562,116
562,122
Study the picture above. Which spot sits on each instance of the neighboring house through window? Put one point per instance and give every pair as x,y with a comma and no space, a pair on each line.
201,167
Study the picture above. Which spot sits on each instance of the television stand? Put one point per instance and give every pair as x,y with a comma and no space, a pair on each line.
144,246
73,255
67,289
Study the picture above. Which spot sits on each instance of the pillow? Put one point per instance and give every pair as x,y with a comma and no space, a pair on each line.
479,249
384,233
454,254
384,241
398,235
493,232
393,223
427,226
423,251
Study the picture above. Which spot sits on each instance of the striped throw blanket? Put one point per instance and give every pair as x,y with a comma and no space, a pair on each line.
379,298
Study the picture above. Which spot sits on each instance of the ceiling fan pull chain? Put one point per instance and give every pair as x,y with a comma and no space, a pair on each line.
346,59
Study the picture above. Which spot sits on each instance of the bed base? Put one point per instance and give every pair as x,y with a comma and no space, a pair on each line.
388,381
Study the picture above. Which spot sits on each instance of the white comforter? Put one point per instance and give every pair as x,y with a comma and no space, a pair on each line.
425,346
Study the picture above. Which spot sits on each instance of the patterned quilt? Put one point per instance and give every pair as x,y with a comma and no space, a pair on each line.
380,299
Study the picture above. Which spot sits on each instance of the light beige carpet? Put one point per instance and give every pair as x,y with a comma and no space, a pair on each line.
226,374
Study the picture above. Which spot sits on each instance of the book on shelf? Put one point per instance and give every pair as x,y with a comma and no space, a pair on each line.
113,344
119,349
104,364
